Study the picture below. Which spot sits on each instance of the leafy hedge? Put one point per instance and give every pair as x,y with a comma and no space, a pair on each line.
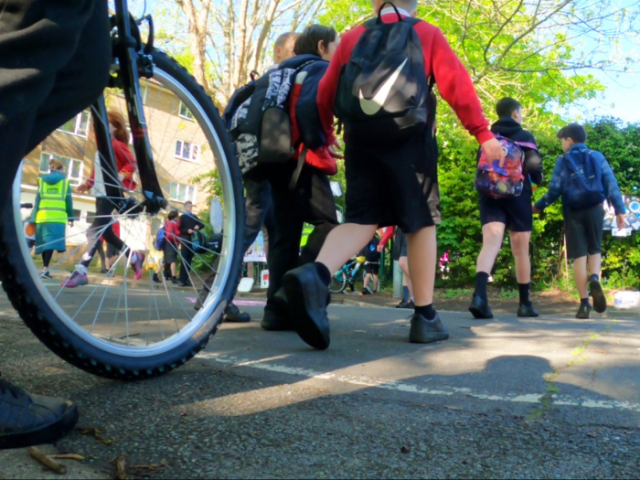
461,236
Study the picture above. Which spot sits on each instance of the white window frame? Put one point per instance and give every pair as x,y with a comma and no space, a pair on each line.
77,129
190,194
187,115
192,147
67,162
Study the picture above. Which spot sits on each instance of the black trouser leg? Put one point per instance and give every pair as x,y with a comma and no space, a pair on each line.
320,211
187,257
47,255
100,251
54,62
284,249
259,208
310,201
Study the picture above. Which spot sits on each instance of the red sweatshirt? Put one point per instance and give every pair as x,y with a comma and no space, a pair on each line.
172,232
125,163
454,83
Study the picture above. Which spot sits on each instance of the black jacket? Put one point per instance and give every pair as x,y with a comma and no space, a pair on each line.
189,222
509,128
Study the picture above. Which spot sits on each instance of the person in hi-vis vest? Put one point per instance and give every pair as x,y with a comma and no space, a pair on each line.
52,211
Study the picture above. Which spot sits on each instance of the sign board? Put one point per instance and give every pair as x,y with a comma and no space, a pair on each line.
632,219
256,252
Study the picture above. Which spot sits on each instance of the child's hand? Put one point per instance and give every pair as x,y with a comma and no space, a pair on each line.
620,221
380,248
334,149
493,149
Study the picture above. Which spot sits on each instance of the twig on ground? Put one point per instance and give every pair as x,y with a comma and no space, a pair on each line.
47,461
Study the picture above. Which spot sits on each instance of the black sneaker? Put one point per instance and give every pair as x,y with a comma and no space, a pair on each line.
46,275
427,331
184,284
479,308
599,300
156,278
174,280
308,299
527,311
276,316
27,420
583,311
406,305
367,291
232,314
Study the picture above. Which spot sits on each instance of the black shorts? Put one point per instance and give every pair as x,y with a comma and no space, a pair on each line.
400,245
393,184
372,268
516,213
584,229
170,253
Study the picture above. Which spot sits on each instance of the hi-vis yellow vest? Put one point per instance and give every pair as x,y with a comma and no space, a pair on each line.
53,202
306,231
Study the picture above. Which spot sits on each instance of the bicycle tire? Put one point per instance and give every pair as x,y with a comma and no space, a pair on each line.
338,286
26,292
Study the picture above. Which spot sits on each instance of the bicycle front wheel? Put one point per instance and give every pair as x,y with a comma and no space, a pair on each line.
338,282
116,324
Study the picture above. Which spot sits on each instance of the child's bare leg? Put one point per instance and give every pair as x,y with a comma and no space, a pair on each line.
581,276
403,262
595,264
367,278
423,253
376,283
343,243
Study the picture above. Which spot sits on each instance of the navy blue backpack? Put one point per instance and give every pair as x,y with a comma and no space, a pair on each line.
583,188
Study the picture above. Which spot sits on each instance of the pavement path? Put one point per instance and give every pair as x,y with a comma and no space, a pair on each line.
553,397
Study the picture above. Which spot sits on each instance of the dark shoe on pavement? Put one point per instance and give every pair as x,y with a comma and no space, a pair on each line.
276,316
232,314
367,291
479,308
308,300
427,331
406,305
156,278
583,311
184,284
599,300
174,280
527,311
27,420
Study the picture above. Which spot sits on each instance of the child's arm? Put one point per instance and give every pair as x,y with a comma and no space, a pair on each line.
611,188
388,233
327,90
555,188
533,165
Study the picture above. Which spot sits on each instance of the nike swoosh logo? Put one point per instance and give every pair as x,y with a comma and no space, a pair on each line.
373,106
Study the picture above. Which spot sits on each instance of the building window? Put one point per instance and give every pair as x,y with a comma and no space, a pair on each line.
76,215
79,125
179,192
91,216
187,151
185,112
73,168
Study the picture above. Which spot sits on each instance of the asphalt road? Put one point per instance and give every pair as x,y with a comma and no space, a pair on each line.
553,397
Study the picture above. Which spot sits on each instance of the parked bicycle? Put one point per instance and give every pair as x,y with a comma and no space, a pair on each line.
347,275
123,328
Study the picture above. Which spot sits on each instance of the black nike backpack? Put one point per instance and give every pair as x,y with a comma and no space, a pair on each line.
383,93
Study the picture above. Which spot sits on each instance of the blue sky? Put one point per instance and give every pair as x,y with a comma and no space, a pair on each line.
622,99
